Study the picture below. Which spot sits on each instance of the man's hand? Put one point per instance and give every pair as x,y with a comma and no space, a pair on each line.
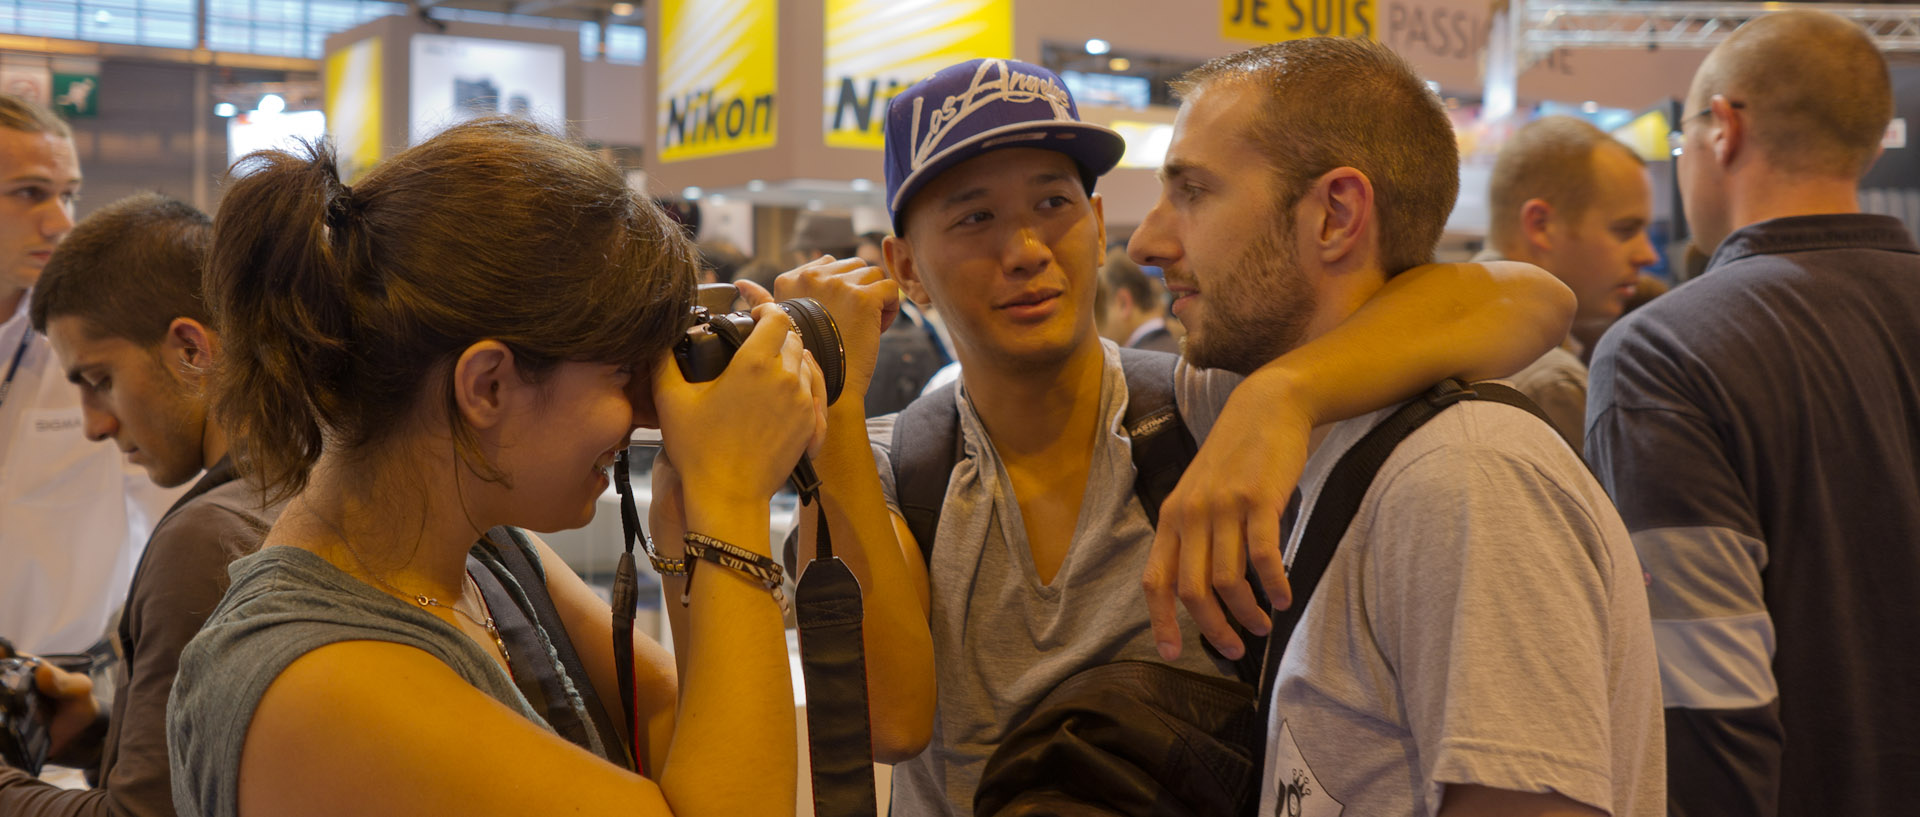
74,708
1227,509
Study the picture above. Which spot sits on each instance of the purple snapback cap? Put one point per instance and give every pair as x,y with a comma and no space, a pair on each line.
976,106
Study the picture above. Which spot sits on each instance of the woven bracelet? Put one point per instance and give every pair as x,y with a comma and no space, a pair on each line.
762,569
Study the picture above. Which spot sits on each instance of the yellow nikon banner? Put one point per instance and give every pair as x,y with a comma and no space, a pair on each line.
878,48
353,104
1272,21
717,76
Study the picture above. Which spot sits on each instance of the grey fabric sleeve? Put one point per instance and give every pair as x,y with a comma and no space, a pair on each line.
1489,596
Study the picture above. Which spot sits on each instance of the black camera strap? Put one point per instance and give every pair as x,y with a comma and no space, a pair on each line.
626,602
833,662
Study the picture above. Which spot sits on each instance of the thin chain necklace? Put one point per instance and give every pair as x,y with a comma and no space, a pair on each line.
425,600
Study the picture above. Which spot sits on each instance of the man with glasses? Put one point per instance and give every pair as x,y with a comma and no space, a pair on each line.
1759,428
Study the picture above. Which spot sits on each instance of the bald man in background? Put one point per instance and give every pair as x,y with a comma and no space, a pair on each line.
1759,428
1570,199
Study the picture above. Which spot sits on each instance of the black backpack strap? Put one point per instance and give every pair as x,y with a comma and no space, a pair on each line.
1162,445
535,635
926,447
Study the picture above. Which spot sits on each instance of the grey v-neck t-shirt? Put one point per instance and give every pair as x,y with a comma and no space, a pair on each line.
1002,640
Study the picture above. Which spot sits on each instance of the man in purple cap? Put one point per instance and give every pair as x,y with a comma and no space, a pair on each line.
1034,573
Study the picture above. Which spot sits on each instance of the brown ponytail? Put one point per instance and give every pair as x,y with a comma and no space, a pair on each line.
338,306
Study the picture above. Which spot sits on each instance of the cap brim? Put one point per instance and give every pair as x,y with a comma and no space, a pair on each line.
1095,148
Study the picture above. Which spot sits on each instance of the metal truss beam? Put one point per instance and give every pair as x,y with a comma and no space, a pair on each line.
1550,24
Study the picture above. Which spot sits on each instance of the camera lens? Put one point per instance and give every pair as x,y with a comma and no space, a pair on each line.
821,337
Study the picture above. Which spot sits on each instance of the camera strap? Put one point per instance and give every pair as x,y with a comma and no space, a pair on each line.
626,602
833,664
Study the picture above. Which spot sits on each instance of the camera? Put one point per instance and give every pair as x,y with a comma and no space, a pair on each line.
24,714
708,346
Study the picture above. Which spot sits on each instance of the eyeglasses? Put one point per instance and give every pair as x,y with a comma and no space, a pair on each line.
1679,129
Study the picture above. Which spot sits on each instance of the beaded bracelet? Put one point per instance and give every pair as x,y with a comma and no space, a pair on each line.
667,566
762,569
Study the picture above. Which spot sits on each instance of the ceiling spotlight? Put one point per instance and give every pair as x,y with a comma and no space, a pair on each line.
622,9
1119,64
225,109
1097,47
690,194
1590,106
271,103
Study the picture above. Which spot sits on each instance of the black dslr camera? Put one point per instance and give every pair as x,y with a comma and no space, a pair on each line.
24,714
708,346
715,334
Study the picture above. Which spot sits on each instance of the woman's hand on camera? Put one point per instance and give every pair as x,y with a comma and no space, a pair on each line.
861,298
736,438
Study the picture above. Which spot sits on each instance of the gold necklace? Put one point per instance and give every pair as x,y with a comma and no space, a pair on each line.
487,623
425,600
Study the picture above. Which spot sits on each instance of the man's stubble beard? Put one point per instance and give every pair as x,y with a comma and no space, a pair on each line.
1261,314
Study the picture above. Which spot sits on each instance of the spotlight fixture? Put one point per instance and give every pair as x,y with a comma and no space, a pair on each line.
1097,47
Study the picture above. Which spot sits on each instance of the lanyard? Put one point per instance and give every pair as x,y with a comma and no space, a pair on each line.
6,386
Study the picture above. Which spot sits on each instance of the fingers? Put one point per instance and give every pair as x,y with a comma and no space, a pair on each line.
1195,586
819,393
59,684
1264,549
1160,583
1229,572
754,294
771,329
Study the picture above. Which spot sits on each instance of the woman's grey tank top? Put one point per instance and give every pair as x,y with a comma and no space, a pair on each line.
284,603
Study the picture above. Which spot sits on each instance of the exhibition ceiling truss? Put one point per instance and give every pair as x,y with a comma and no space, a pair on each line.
1546,25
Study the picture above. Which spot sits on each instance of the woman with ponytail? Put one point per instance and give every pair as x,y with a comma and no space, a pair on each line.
452,350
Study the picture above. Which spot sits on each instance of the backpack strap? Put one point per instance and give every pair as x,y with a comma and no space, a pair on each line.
1340,499
1162,445
927,444
926,447
548,671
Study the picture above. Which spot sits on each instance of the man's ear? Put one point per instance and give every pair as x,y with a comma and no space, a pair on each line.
188,349
1726,131
1536,217
901,265
1343,198
1100,220
485,380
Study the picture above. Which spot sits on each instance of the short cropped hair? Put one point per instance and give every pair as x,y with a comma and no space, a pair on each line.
1551,159
1815,88
129,270
1121,274
21,115
1332,102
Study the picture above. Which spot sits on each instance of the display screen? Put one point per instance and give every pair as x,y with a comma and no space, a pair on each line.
455,79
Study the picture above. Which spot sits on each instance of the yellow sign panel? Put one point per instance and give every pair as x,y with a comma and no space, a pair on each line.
1272,21
718,70
878,48
353,106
